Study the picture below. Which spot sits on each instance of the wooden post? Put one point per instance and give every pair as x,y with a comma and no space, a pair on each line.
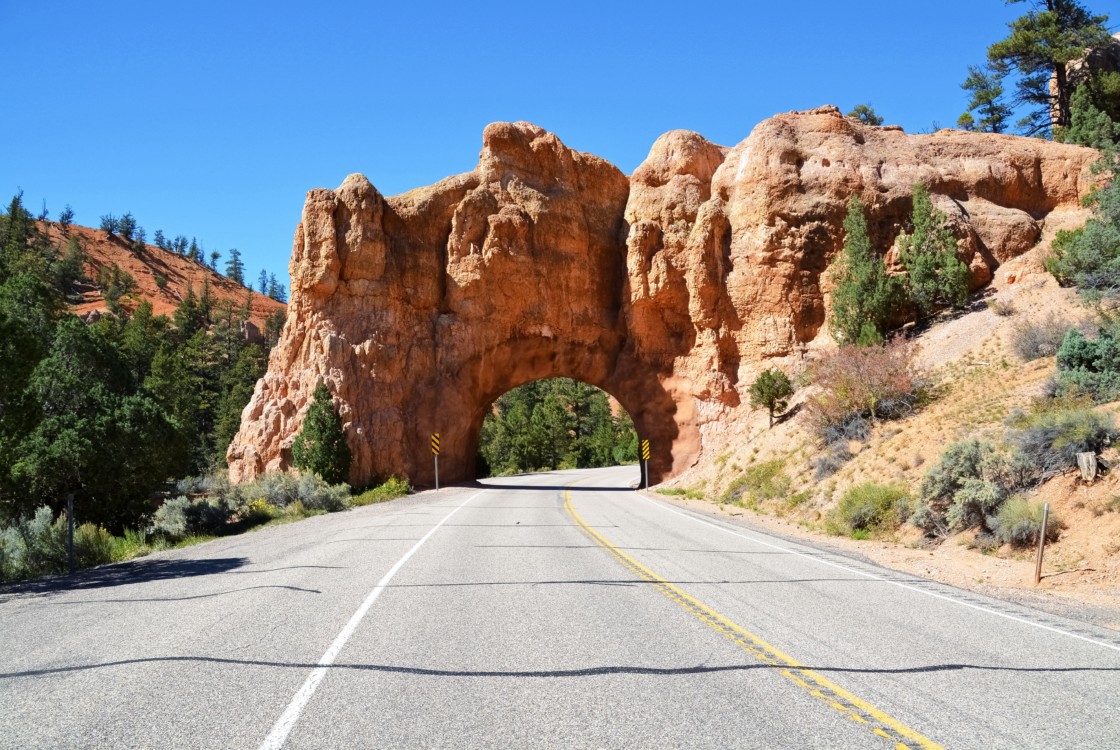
1041,544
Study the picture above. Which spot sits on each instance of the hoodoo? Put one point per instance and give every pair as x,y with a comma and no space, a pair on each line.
667,289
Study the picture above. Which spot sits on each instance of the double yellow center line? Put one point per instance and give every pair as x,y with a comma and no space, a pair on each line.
816,685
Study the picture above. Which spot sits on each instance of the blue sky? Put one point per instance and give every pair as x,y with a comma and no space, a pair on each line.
213,119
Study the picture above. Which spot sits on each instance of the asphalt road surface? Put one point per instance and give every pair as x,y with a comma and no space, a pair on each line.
557,610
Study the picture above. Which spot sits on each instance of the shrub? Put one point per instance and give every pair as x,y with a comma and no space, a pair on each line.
832,460
1031,340
93,545
1088,366
316,494
869,507
1018,522
391,488
1051,440
764,481
970,481
181,517
864,381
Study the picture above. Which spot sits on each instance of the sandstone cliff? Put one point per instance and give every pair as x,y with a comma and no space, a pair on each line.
667,289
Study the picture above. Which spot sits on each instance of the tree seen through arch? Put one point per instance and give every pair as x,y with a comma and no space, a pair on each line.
558,423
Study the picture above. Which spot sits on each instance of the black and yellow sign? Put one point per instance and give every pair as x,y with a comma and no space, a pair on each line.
435,444
645,450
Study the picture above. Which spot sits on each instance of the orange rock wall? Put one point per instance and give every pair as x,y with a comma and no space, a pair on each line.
669,289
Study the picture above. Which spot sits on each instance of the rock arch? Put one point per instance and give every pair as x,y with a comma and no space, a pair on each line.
668,289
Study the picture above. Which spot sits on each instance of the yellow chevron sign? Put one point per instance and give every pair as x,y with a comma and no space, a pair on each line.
645,450
435,444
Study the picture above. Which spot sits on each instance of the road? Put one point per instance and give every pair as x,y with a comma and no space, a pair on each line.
553,610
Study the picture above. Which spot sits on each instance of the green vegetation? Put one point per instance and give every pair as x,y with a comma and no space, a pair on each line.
869,508
935,276
966,486
985,89
115,409
320,448
771,390
865,299
1050,439
866,114
759,483
554,424
1090,367
1019,521
207,507
691,493
1042,44
393,488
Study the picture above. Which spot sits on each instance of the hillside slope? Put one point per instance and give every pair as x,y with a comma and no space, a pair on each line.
103,251
979,381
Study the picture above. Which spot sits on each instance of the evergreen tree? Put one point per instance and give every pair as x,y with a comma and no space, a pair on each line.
865,299
188,317
276,289
1089,126
771,389
320,447
262,282
214,255
235,269
1040,48
159,239
935,276
66,217
985,89
109,224
866,114
126,226
194,253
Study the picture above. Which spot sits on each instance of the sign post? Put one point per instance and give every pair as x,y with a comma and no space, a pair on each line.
70,530
645,459
435,455
1041,544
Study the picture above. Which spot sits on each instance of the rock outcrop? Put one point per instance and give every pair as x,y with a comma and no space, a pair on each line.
668,289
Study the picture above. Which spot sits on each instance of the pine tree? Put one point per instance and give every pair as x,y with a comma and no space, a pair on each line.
866,114
262,282
235,269
771,389
1040,48
66,217
865,298
320,448
985,90
214,255
126,226
109,224
159,239
935,276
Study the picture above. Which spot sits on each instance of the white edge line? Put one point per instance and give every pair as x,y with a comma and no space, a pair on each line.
878,578
288,719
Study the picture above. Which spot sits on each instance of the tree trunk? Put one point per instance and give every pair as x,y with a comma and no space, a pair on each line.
1061,81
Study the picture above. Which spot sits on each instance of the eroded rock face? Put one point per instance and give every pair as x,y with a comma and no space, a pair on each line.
668,289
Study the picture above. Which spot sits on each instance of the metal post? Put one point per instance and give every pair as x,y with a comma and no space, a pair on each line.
1041,544
70,532
646,472
437,470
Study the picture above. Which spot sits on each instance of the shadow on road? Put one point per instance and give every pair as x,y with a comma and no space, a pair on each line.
140,570
552,673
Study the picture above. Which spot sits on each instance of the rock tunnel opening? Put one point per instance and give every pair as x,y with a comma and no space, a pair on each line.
554,423
461,399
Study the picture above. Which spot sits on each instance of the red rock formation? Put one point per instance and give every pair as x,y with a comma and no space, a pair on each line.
667,289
